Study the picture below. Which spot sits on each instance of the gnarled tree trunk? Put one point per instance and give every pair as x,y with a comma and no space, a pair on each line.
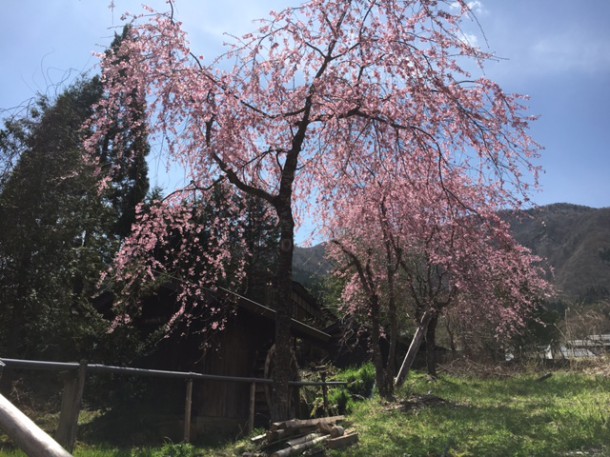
431,346
382,378
280,409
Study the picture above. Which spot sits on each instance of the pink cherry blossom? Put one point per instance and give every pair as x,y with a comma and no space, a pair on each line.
328,95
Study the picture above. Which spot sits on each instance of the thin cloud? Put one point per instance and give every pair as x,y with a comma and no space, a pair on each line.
571,53
470,39
474,6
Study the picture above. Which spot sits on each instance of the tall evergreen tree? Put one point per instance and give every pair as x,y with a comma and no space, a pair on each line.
53,239
123,151
57,231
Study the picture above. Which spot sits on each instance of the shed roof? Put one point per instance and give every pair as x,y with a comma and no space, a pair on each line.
298,328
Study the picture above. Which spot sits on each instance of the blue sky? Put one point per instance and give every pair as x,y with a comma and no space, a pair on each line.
556,51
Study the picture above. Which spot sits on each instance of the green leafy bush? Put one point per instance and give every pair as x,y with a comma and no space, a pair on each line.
340,401
360,383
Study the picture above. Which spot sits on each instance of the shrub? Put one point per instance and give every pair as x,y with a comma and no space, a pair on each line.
360,384
360,381
340,401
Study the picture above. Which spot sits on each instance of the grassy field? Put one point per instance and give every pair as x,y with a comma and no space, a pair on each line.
564,415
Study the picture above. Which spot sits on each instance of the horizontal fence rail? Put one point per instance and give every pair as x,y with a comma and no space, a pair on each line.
97,368
73,388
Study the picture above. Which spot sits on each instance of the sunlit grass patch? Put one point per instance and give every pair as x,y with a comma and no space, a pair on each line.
565,415
507,417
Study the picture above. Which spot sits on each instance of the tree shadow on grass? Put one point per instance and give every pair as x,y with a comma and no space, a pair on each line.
504,417
505,430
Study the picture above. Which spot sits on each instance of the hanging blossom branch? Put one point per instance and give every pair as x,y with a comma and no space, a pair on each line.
320,94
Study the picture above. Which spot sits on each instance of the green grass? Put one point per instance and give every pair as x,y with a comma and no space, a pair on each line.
169,450
566,415
512,417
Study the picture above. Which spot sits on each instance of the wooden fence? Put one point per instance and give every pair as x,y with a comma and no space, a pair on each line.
76,373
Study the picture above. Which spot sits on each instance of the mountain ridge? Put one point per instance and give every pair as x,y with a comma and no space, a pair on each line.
573,240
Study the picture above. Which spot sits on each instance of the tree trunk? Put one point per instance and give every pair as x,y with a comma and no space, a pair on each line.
393,327
452,344
384,382
413,349
280,408
431,346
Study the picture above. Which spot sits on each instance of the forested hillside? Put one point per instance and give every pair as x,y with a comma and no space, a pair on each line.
310,265
574,240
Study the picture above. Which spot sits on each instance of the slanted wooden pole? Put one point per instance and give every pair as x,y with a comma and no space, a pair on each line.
188,409
30,438
252,409
413,348
71,401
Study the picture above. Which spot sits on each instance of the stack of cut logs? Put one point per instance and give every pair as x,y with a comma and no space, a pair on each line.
293,437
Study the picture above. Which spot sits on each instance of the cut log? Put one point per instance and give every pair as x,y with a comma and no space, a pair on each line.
332,429
280,434
342,441
302,423
303,439
337,431
294,450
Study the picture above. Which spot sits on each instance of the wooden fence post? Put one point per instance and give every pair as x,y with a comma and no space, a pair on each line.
251,411
70,407
188,408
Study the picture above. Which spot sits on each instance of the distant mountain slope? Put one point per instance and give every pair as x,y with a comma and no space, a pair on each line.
310,266
572,238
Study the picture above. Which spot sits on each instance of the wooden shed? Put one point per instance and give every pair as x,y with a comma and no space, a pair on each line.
242,349
245,349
